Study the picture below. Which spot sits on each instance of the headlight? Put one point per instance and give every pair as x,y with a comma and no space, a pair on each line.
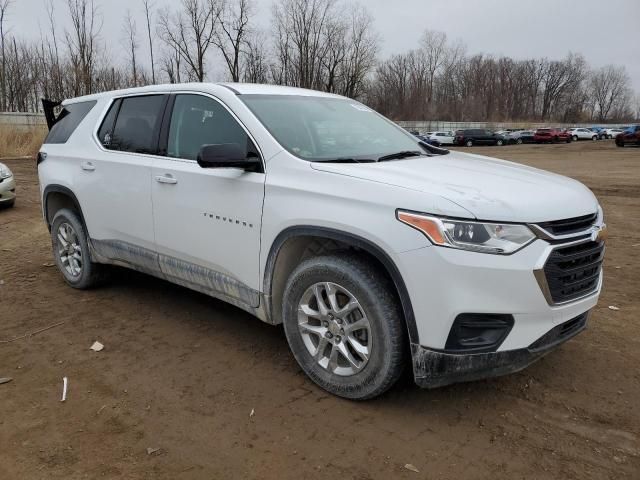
497,238
4,172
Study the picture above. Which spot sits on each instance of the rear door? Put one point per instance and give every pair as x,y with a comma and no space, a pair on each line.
207,220
116,188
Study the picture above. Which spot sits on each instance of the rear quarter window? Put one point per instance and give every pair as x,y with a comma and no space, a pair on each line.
68,120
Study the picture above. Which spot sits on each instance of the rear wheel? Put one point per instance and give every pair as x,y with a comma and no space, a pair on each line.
344,325
519,141
575,138
469,143
499,143
71,251
594,138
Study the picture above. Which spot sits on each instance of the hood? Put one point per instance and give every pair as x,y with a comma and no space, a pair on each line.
490,189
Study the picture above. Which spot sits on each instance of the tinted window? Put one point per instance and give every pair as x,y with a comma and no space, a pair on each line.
106,129
137,125
68,120
198,120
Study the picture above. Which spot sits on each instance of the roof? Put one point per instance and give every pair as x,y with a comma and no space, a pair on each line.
238,88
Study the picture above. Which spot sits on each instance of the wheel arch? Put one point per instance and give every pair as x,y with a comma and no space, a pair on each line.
292,244
56,197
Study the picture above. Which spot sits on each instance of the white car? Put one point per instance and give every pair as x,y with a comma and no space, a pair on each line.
443,138
582,134
612,132
7,187
309,209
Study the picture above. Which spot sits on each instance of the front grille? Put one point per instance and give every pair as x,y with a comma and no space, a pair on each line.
572,272
562,332
570,225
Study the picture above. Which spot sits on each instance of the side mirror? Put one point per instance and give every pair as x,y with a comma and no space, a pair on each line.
227,155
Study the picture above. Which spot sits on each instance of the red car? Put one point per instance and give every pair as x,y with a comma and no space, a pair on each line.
551,135
631,136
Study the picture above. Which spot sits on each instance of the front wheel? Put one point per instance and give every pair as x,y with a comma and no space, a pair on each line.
575,138
594,138
519,141
499,143
469,143
344,325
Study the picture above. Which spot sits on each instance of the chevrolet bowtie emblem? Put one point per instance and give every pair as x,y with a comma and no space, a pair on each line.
600,235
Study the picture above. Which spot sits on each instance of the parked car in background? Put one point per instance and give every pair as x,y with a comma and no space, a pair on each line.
612,132
424,138
600,131
521,136
551,135
582,134
443,138
478,136
7,187
631,136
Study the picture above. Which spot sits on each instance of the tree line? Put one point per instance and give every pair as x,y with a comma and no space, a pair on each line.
328,45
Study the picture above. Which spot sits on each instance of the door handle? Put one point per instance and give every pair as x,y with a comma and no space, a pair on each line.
167,178
88,166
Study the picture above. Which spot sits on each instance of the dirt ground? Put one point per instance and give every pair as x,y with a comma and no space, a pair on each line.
182,373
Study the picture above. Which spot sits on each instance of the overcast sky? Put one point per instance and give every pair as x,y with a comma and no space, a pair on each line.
604,31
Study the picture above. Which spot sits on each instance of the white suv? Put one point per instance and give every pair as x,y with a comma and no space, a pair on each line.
309,209
582,134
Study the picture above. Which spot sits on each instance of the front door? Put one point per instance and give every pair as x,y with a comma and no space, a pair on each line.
207,220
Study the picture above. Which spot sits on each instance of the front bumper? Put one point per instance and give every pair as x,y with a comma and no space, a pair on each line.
434,369
444,283
7,190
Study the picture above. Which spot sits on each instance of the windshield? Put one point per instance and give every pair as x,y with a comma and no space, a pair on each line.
322,128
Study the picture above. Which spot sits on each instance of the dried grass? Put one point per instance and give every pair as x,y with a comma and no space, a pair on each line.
20,142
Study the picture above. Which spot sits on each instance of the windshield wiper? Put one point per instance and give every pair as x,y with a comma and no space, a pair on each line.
400,155
346,160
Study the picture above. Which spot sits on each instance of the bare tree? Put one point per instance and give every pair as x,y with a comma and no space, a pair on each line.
190,32
232,28
131,43
256,67
300,42
609,87
147,13
4,8
82,43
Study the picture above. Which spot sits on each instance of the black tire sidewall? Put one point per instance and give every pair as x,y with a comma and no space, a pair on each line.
384,315
84,280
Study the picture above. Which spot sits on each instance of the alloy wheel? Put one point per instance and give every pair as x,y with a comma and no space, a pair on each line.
69,250
334,328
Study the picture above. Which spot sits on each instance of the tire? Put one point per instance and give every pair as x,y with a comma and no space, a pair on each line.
343,275
594,138
519,141
68,232
8,204
499,143
469,143
554,140
575,138
619,144
568,140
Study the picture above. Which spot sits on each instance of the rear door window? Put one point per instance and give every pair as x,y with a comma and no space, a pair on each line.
137,125
68,120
